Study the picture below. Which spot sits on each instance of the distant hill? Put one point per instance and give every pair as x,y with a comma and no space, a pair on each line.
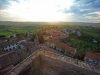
47,23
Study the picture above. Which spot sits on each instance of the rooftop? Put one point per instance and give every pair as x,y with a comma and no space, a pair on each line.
44,62
93,56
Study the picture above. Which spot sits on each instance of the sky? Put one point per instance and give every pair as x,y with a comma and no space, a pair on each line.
50,10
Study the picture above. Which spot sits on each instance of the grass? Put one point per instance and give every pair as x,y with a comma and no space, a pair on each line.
5,33
94,35
81,45
9,30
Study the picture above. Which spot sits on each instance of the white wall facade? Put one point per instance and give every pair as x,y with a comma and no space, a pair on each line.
11,47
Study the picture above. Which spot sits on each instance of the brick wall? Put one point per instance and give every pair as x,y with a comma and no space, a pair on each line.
43,61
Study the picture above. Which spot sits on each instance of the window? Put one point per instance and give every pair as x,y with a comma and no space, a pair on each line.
9,48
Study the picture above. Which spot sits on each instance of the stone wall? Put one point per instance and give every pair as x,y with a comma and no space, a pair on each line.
46,62
72,61
25,65
50,66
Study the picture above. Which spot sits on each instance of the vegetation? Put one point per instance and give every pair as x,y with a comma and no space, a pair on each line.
33,37
82,44
85,42
10,29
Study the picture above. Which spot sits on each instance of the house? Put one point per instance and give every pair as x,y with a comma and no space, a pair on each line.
5,61
74,30
56,34
64,30
14,58
7,36
13,39
5,64
7,46
51,43
12,45
64,48
29,46
50,31
14,34
94,41
63,34
78,33
61,47
97,54
46,37
58,39
93,58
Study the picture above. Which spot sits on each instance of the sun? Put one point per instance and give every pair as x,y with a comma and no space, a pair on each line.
40,10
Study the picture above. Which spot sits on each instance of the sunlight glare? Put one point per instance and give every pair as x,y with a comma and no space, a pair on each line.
40,10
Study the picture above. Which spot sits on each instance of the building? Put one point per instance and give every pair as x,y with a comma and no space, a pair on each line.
7,61
46,37
45,62
95,41
51,43
14,58
50,31
93,58
64,48
7,46
56,34
78,33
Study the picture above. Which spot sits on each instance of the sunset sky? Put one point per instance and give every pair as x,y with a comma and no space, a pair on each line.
50,10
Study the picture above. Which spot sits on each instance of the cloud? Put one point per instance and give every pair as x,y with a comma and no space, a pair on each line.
84,1
4,4
79,10
83,8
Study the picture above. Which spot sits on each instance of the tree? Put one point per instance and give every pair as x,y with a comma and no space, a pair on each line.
41,39
33,37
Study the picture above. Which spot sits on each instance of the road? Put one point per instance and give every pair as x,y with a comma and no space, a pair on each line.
52,50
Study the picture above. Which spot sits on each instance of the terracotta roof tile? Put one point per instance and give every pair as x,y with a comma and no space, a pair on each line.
14,58
92,56
4,61
55,34
65,47
97,54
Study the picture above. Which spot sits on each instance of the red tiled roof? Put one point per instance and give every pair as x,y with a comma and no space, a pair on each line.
5,70
61,45
48,31
4,61
55,34
14,57
65,47
57,38
92,56
28,45
97,54
51,41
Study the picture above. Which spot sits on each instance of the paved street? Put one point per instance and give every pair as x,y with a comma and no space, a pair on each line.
52,50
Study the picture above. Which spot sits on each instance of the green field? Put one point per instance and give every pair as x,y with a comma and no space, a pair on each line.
92,34
84,43
9,30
